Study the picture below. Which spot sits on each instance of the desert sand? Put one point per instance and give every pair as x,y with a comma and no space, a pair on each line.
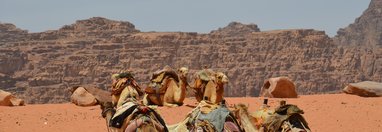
324,113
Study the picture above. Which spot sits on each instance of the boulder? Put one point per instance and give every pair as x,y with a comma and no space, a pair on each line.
99,94
364,89
279,87
7,99
82,97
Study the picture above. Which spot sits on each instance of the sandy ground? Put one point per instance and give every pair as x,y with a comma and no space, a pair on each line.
324,113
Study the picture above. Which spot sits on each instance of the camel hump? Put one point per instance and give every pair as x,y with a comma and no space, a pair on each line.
158,88
158,76
171,84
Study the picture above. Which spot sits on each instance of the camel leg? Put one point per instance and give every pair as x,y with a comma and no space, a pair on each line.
170,105
145,100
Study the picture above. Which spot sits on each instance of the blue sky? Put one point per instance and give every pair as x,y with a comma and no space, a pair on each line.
186,15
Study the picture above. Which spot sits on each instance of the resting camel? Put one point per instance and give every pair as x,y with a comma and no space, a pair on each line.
167,88
208,117
130,115
209,84
285,118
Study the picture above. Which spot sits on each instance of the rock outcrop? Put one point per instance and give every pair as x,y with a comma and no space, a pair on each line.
364,89
7,99
41,67
278,87
82,97
366,30
360,47
96,27
235,29
9,32
99,94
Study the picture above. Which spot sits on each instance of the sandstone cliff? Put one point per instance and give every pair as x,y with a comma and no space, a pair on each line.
359,51
41,67
366,30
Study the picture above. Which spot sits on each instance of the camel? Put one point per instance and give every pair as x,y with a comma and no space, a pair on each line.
247,122
130,115
124,86
171,91
285,118
209,84
208,117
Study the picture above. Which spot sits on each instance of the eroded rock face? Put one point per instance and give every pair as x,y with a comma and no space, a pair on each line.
9,32
279,87
47,64
360,47
235,29
364,89
96,27
366,30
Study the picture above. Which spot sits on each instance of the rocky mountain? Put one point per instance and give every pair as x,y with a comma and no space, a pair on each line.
366,30
9,32
360,46
235,29
42,67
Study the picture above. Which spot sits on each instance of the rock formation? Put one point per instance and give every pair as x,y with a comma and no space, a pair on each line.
41,67
9,32
235,29
359,53
278,87
82,97
99,94
364,89
7,99
366,30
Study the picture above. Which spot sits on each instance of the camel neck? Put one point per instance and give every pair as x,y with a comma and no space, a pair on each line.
247,123
183,83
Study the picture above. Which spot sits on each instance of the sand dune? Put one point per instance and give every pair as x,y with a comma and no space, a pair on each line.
334,112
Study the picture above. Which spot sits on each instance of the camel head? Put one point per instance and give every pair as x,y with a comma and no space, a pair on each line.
183,71
221,78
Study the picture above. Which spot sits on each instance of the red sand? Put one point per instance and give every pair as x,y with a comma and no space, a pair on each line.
324,113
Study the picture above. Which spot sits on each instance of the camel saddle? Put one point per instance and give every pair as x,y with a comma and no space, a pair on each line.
205,75
118,87
281,114
212,117
160,75
159,81
202,78
129,111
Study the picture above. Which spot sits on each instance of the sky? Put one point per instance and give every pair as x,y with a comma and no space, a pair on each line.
200,16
